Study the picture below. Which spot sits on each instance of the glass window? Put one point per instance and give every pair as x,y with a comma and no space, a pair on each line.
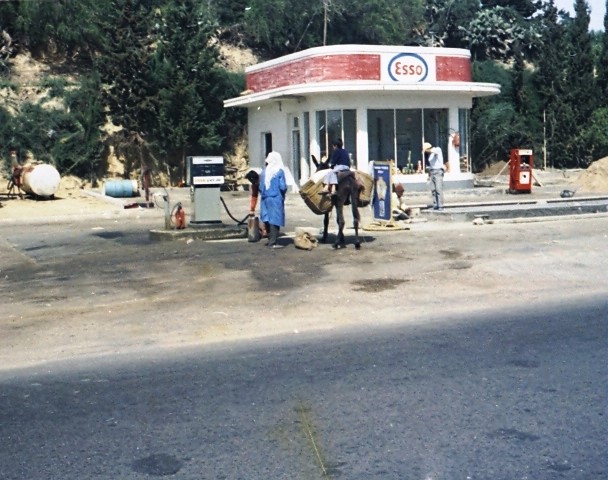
266,144
398,135
463,132
306,135
381,134
409,139
436,127
334,124
322,132
296,153
350,133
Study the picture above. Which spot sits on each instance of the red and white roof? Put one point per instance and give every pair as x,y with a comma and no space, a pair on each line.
362,68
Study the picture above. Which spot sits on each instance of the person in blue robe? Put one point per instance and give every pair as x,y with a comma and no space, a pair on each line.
273,187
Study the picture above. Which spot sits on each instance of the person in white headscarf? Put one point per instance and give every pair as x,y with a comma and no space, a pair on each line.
273,187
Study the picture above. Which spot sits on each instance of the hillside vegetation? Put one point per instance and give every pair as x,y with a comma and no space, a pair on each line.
143,81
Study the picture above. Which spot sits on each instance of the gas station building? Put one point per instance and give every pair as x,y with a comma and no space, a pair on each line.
383,101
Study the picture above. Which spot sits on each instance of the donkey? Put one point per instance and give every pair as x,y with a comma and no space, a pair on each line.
346,192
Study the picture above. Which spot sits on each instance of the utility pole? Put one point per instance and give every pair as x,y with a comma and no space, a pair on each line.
545,138
325,9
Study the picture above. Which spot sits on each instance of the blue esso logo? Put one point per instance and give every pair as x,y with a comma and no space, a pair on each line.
408,67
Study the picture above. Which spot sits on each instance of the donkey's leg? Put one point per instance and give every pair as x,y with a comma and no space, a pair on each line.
356,219
325,227
340,242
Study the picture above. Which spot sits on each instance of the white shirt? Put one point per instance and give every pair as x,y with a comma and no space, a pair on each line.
436,159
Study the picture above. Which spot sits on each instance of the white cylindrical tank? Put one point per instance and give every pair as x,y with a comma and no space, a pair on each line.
42,180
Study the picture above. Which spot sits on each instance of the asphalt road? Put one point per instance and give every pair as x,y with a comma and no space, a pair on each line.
442,352
510,396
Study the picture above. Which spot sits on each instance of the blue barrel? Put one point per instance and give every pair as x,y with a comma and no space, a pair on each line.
120,188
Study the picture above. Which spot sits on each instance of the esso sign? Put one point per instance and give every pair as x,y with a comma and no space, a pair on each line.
408,68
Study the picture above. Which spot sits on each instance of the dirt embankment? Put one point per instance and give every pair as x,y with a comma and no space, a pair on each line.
594,179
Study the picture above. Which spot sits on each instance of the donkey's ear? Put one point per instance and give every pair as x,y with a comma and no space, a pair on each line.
315,161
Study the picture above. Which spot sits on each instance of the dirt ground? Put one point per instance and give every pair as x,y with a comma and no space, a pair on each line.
66,256
592,180
76,198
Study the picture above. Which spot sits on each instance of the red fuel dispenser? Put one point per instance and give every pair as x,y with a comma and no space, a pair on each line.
520,170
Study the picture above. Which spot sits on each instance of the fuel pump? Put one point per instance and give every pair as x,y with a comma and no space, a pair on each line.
520,170
205,176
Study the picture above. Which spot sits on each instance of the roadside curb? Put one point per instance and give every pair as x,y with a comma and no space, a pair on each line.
215,232
549,218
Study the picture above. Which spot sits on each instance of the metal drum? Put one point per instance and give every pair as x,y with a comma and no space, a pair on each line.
120,188
41,180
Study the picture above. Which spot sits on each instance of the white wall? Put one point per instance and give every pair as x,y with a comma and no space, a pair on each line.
273,117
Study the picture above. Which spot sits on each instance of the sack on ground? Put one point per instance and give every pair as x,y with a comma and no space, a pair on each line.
305,241
253,229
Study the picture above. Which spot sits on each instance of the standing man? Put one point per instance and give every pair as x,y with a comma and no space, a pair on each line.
434,160
340,160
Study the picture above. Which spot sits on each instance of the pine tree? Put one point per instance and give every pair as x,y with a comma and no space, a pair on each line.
551,84
596,135
192,86
525,128
582,93
602,64
130,89
59,28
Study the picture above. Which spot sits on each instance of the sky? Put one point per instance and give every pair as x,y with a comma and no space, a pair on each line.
598,10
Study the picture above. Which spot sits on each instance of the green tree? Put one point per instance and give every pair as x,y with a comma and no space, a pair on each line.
275,26
582,93
525,8
596,135
443,20
602,63
551,84
78,148
65,135
284,26
8,40
231,18
491,117
63,28
526,105
130,89
192,85
382,22
494,31
509,120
